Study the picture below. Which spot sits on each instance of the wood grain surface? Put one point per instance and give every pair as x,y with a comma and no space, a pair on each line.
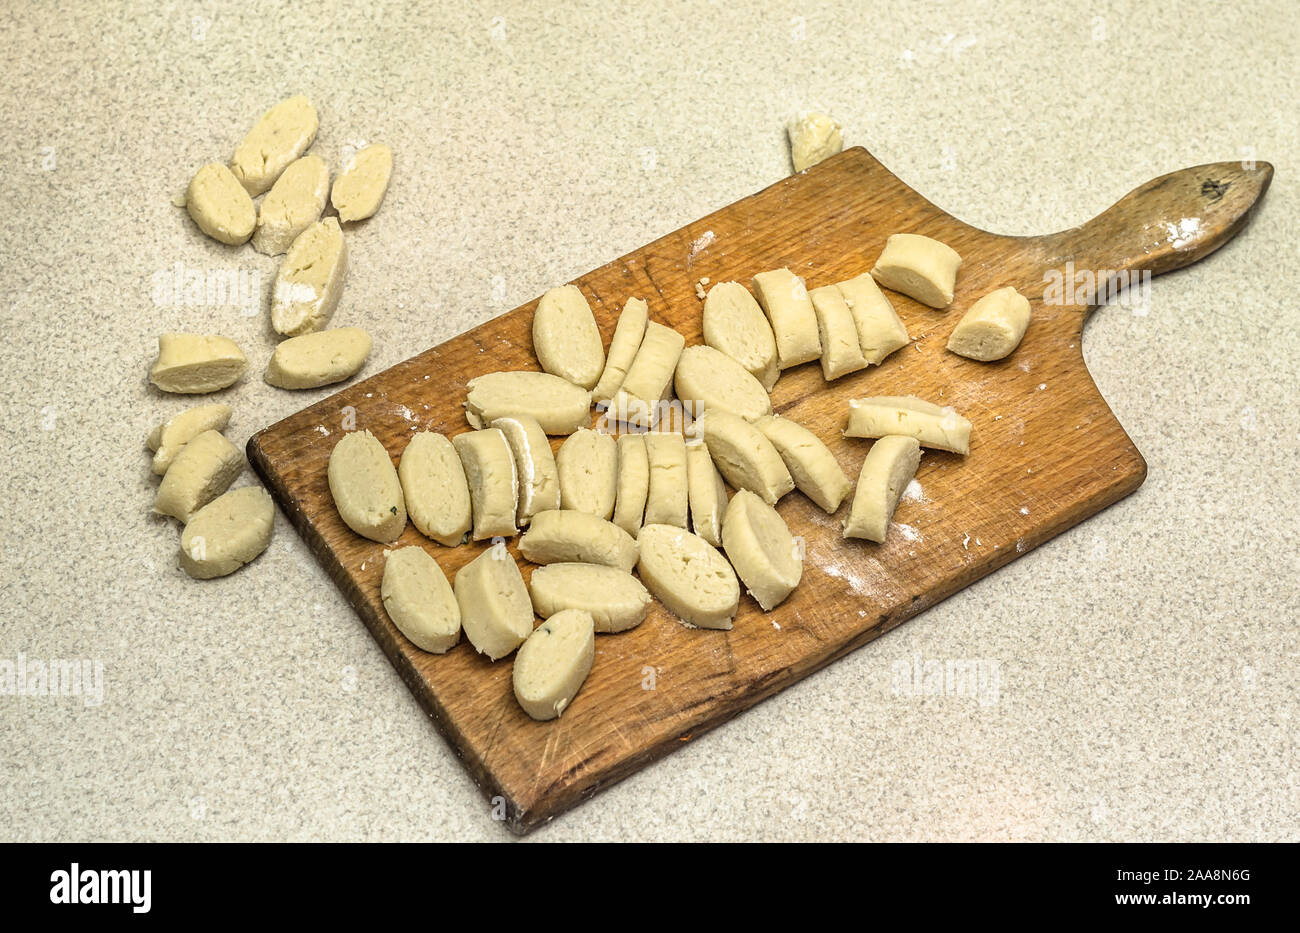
1046,453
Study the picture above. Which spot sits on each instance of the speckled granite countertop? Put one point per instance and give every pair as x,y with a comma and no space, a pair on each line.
1147,659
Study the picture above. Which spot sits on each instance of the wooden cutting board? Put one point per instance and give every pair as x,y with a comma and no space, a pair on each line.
1046,453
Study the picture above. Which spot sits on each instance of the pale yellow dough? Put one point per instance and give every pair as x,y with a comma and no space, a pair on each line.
566,537
993,327
919,267
628,333
649,378
734,324
940,428
667,498
814,137
318,359
812,466
495,609
170,437
365,487
689,576
784,299
888,468
419,600
203,470
761,549
493,484
587,463
361,186
435,489
282,134
633,483
310,280
566,338
559,406
616,600
706,492
552,664
880,331
535,469
195,364
220,206
746,458
293,204
841,353
708,378
227,533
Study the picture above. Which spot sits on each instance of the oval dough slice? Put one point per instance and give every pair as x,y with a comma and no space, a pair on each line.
318,359
203,470
689,576
587,463
628,333
577,537
559,406
761,549
495,610
993,327
889,467
565,337
813,138
706,491
941,428
535,470
218,203
365,487
361,186
292,205
734,324
170,437
841,354
812,466
282,134
880,331
633,483
419,600
708,378
668,496
553,663
227,533
493,486
746,459
919,267
194,364
310,280
435,489
784,298
615,600
650,377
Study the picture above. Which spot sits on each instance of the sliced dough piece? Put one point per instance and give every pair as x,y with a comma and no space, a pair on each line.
535,470
283,133
435,489
734,323
168,439
812,466
318,359
746,459
813,138
566,338
493,486
841,354
566,537
218,203
193,364
706,491
919,267
633,483
761,549
616,600
689,576
941,428
365,487
419,600
889,467
628,333
559,406
553,663
292,205
495,610
587,463
880,331
993,327
361,186
649,379
227,533
667,498
708,378
203,470
310,281
784,299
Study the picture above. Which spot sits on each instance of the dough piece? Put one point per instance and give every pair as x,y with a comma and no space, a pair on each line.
292,205
813,137
841,353
919,267
649,378
558,406
815,471
746,459
193,364
435,489
784,299
563,536
689,576
734,323
203,470
283,133
889,467
493,486
218,203
310,281
761,549
708,378
941,428
361,186
553,663
170,437
880,331
535,470
566,338
615,600
667,497
706,491
633,483
419,600
365,487
993,327
227,533
628,333
318,359
587,463
495,610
